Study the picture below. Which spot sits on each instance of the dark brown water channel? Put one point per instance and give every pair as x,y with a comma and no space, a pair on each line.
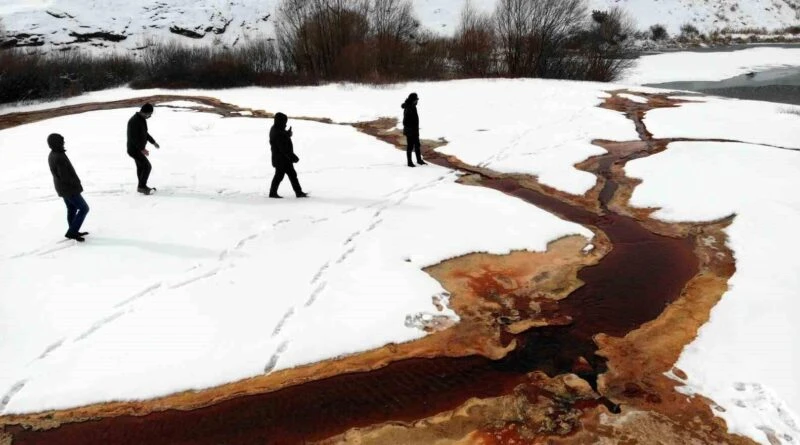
631,285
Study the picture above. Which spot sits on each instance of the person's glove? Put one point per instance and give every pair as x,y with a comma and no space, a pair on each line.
295,159
156,144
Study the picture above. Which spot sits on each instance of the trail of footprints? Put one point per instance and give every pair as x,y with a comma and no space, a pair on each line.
126,306
348,248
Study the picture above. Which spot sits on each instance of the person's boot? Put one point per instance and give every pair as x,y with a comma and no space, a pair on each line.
76,236
421,162
83,233
411,164
143,190
275,195
301,194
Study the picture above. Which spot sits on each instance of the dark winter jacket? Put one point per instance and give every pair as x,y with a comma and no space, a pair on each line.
410,118
280,142
64,177
138,137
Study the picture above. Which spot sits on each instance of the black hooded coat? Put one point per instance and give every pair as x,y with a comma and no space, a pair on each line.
65,179
410,117
280,143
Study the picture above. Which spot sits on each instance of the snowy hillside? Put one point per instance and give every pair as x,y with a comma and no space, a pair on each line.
708,15
125,24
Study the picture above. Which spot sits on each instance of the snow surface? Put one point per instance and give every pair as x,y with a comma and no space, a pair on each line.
739,120
532,126
746,358
708,66
181,243
208,275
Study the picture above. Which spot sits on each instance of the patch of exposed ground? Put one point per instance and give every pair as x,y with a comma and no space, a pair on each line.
496,297
206,104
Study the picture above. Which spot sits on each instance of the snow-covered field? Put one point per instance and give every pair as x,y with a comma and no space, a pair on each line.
747,357
211,276
708,66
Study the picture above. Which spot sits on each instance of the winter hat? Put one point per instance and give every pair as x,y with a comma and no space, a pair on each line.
147,109
410,99
281,119
55,141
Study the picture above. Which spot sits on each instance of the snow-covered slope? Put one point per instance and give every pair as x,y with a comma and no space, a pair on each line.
126,25
708,15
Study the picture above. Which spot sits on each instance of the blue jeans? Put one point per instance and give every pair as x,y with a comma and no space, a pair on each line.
76,212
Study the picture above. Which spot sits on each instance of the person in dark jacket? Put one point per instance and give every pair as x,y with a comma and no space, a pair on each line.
283,157
138,137
411,128
68,186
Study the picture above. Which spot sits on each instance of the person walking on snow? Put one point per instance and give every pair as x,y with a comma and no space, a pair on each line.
283,157
138,137
68,186
411,128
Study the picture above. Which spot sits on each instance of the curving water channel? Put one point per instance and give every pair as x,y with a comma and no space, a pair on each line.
631,285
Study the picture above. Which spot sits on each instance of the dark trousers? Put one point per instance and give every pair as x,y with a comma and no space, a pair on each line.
280,172
413,145
143,167
76,212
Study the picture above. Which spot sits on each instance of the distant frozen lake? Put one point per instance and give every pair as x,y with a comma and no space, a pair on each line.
773,85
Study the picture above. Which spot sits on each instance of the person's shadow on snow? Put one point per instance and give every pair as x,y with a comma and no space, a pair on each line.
171,249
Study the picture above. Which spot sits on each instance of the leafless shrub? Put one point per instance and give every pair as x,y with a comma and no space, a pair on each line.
557,39
32,75
532,34
473,45
791,110
429,57
348,39
794,30
175,65
393,29
658,32
688,30
313,34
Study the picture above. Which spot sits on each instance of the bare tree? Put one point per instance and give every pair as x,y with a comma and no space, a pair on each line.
534,33
474,42
393,28
314,33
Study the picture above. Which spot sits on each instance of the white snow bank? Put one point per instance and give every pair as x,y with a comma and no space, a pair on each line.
747,357
739,120
708,66
532,126
208,281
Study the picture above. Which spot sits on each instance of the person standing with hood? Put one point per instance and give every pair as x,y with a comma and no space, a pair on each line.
138,137
283,157
68,186
411,128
